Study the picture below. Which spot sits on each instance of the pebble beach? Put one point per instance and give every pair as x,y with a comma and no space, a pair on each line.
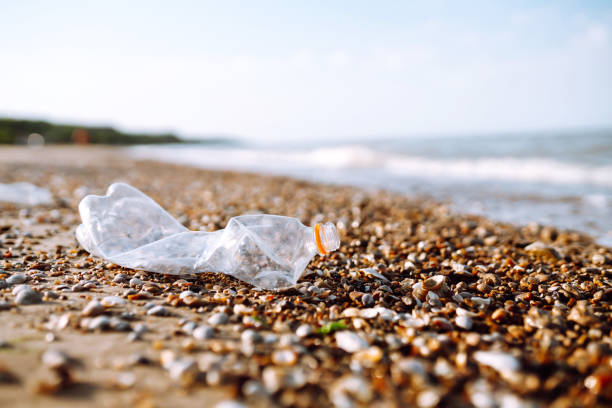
420,306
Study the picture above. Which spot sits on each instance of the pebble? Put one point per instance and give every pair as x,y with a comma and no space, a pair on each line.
93,308
134,336
441,323
288,339
203,332
504,363
481,301
348,388
250,336
230,404
187,293
464,312
275,378
217,319
158,310
59,322
428,398
121,278
119,325
284,357
99,323
140,328
56,359
460,268
367,300
189,327
499,314
350,341
110,301
125,380
373,272
434,282
135,282
598,259
19,288
253,388
368,357
541,249
183,371
304,330
463,321
28,297
16,279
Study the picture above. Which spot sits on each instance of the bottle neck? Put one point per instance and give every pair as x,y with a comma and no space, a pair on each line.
326,238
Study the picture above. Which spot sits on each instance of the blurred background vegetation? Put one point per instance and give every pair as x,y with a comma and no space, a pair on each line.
17,131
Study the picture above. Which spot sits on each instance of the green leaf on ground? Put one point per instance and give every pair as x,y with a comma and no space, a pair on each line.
331,327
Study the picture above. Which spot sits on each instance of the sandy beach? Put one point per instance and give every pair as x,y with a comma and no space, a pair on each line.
419,307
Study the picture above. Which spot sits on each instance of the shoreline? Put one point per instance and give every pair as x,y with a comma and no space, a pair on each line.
505,189
113,156
437,307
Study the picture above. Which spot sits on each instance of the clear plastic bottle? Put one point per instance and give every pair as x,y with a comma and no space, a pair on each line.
269,251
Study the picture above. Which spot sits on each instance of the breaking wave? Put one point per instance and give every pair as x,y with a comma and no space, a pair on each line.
357,157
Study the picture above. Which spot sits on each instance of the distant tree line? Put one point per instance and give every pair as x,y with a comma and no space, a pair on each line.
15,131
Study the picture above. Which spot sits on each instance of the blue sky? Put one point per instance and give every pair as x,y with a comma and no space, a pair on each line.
309,69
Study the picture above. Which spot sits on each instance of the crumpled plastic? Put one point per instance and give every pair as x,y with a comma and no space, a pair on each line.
129,229
25,193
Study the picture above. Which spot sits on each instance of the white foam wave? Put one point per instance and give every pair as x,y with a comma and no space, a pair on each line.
357,157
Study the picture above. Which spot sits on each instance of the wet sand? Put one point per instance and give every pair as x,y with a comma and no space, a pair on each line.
419,306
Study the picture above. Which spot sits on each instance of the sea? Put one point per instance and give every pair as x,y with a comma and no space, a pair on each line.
563,178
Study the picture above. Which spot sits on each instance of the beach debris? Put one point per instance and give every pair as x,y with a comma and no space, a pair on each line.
141,235
24,193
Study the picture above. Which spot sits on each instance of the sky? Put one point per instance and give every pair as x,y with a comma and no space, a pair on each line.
299,70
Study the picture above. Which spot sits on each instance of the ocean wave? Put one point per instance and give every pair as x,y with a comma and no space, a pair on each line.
364,158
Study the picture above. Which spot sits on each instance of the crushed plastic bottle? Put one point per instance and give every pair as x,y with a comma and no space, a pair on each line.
24,193
129,229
